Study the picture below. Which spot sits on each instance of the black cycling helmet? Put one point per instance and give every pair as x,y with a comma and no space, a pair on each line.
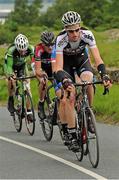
47,38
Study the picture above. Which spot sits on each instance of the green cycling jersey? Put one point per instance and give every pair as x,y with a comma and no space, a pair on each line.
14,58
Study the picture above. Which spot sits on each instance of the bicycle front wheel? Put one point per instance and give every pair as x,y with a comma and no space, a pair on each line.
17,115
93,144
47,123
30,123
79,154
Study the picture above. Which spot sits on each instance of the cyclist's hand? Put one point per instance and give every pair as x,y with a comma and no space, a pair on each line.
42,75
11,77
67,84
107,81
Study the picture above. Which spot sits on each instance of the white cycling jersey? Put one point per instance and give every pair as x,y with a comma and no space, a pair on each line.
86,38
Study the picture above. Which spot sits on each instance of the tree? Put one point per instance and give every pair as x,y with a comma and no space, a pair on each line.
91,11
25,13
34,12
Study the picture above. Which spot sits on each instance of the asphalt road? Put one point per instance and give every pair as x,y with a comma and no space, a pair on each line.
31,157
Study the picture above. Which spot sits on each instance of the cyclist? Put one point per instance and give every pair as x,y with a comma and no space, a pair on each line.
71,52
15,65
43,66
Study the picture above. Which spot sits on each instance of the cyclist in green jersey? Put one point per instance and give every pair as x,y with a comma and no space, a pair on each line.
15,66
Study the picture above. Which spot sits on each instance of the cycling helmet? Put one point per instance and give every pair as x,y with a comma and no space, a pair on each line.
47,38
21,42
70,18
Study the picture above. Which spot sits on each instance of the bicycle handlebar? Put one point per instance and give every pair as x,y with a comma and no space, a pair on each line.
29,77
85,83
24,78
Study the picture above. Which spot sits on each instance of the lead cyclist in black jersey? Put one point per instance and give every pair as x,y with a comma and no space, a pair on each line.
71,52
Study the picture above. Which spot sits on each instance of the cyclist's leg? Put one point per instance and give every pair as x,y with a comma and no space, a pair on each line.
67,113
86,74
42,90
11,91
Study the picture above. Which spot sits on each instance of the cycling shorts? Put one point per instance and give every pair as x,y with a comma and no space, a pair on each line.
20,70
47,68
80,62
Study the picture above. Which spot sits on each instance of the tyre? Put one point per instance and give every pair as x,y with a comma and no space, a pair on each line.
84,133
79,154
57,119
93,144
30,124
17,115
47,123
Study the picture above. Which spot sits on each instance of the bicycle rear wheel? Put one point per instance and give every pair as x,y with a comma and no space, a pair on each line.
17,115
30,124
93,144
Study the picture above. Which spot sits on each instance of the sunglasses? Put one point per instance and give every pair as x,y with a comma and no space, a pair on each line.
72,31
49,45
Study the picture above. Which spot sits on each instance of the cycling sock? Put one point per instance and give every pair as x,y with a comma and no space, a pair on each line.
72,132
64,128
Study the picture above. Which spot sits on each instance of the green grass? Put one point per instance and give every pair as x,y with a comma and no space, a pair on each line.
3,92
108,48
107,106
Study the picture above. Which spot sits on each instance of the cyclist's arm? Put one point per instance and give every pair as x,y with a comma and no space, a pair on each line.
53,59
59,62
96,55
38,68
8,65
101,67
37,59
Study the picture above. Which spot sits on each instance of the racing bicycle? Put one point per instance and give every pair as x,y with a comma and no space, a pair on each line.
22,99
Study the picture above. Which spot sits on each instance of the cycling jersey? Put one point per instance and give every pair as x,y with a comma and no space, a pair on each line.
13,59
75,53
41,55
66,47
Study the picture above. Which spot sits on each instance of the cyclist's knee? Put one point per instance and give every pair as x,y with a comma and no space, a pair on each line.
86,76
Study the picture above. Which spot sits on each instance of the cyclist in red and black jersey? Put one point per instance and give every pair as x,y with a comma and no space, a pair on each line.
43,66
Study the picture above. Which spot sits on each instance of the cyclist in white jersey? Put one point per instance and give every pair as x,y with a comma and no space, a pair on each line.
71,52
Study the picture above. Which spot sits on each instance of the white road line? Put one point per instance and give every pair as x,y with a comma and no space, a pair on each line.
68,163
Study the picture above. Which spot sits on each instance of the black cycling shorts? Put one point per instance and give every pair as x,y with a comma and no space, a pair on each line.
19,70
80,62
47,68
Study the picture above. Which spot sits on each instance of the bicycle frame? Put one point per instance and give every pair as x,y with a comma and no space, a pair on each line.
22,85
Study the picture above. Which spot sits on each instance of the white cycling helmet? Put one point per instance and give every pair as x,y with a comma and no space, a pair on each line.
21,42
70,18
